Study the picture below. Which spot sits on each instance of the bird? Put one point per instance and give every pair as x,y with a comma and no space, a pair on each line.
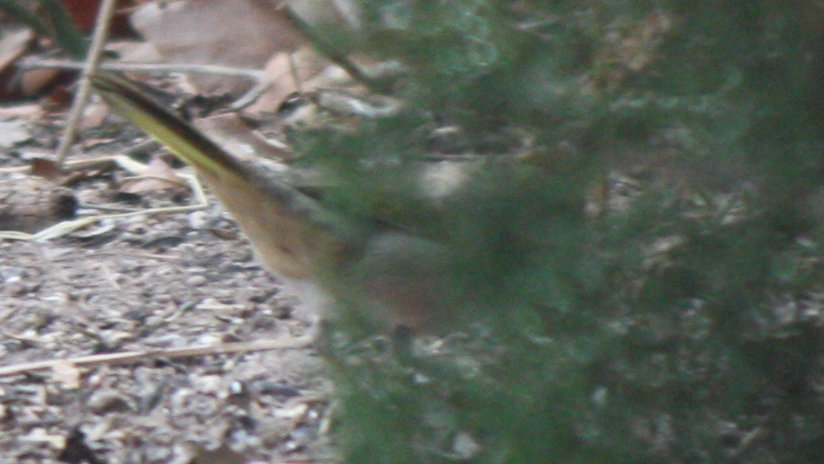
327,258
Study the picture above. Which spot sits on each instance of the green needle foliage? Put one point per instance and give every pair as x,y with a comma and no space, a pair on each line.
638,249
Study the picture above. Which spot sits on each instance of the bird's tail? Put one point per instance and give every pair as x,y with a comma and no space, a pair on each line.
183,139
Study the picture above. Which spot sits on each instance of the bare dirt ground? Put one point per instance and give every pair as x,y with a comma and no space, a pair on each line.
147,283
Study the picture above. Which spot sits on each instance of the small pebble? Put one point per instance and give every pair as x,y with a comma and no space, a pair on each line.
198,219
196,280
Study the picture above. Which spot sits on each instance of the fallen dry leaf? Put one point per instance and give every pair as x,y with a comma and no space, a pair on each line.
33,80
47,169
13,42
13,132
158,177
242,33
29,111
285,71
236,137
